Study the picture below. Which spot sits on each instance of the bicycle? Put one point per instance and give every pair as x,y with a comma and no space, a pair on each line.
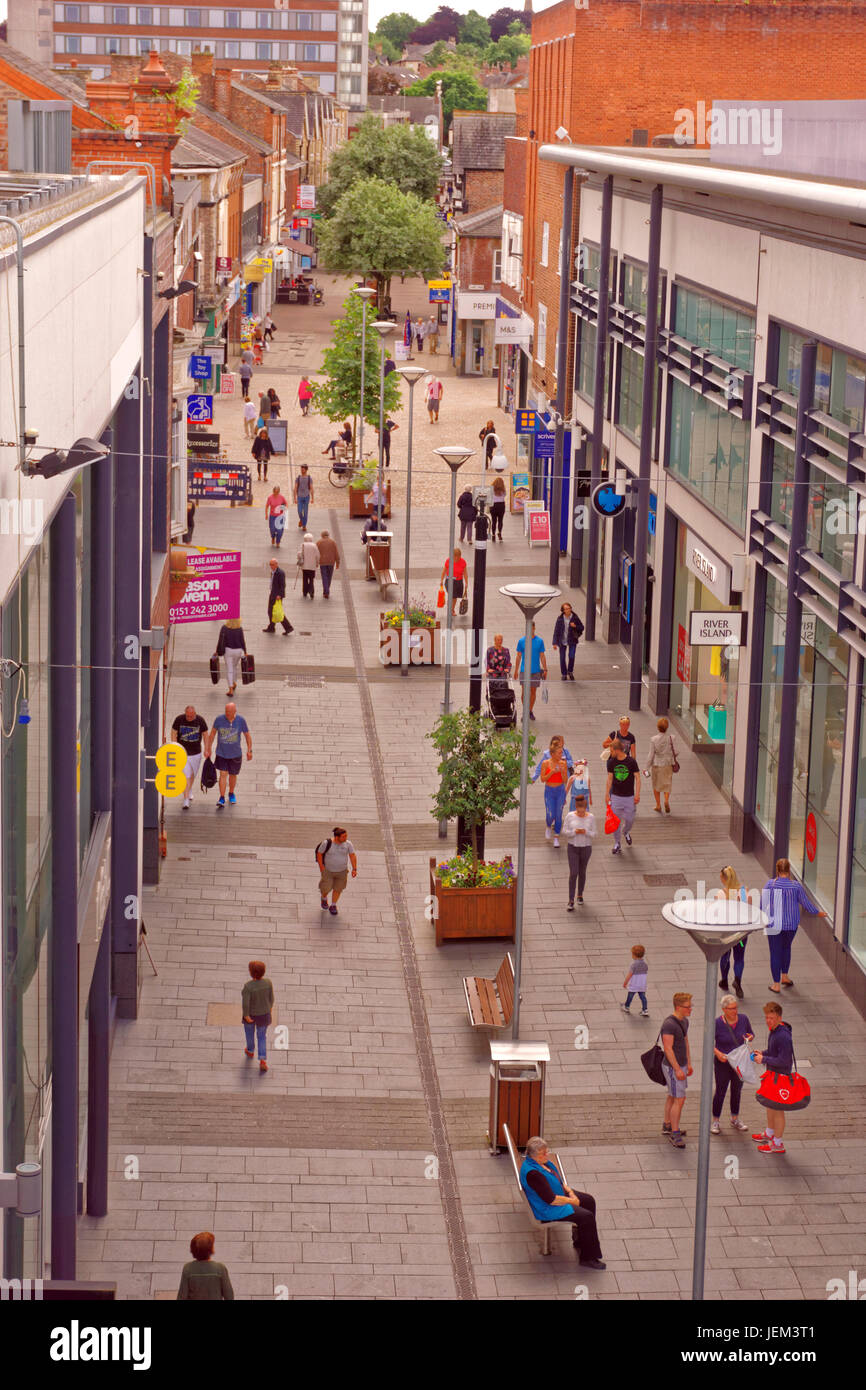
343,469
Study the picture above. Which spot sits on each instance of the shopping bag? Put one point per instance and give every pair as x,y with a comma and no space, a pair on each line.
780,1092
248,668
215,669
740,1058
277,611
611,821
463,606
440,599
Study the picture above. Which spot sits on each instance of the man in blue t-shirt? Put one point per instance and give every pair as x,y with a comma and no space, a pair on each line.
227,729
537,668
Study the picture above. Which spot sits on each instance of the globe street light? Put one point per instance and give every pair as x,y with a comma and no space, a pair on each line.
365,293
498,459
385,328
411,376
530,599
714,924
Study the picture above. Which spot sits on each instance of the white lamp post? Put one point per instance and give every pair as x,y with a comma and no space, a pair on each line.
411,376
498,460
385,328
530,599
365,293
714,924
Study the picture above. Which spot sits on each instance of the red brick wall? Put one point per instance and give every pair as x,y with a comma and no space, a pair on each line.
622,65
482,188
475,260
514,176
112,145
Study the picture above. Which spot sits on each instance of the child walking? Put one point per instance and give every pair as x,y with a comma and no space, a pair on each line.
635,981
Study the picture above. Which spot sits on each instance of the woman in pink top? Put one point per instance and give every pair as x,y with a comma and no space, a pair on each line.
275,511
305,395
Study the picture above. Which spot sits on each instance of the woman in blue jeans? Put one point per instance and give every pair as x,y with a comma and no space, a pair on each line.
257,1000
781,899
554,775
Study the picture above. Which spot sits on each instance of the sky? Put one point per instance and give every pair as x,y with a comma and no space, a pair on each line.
425,9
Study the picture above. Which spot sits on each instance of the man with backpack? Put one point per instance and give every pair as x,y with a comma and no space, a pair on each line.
332,857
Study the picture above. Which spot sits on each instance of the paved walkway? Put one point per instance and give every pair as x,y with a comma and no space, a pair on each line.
357,1167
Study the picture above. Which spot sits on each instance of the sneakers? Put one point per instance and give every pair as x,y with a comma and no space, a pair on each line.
666,1129
627,838
677,1139
761,1138
232,799
579,898
736,1123
715,1127
221,804
625,1008
332,910
776,1147
247,1052
644,1013
548,832
263,1066
570,907
324,902
556,842
617,849
186,803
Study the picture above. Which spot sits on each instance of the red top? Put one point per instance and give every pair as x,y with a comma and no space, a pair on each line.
276,504
459,568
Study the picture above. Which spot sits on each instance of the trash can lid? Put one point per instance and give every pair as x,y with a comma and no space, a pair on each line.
519,1052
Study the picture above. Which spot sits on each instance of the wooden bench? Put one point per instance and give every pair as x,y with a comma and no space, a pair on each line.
544,1226
491,1002
386,578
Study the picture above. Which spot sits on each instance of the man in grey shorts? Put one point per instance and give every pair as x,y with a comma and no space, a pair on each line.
332,857
677,1066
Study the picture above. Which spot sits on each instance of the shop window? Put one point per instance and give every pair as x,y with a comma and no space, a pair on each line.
857,904
497,266
708,449
707,322
541,343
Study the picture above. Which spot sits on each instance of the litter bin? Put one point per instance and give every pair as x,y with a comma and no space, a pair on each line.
517,1077
378,552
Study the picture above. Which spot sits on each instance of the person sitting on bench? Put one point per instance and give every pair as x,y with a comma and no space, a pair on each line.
344,437
551,1200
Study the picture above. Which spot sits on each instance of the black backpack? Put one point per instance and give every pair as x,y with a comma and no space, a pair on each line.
208,775
327,844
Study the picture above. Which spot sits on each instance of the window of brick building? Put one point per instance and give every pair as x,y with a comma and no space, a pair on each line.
497,265
541,345
545,243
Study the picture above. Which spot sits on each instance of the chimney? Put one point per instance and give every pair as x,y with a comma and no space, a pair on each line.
222,91
202,63
274,78
153,74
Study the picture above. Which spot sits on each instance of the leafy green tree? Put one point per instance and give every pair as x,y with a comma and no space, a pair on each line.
508,49
379,231
386,49
339,396
439,54
461,91
396,28
479,772
404,157
475,30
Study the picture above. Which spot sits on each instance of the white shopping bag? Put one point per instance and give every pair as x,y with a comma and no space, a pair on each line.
741,1060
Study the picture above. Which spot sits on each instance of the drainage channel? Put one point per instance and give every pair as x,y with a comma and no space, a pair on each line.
458,1245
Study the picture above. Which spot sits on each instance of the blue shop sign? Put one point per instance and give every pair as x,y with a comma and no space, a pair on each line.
653,512
545,444
199,410
526,421
200,367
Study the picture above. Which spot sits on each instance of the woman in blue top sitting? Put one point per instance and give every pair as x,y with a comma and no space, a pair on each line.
550,1199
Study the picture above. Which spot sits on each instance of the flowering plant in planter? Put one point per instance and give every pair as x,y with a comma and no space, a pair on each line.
463,872
421,614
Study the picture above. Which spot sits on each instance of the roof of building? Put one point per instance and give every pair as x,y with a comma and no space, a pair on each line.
418,108
66,89
293,103
232,129
487,222
196,150
479,140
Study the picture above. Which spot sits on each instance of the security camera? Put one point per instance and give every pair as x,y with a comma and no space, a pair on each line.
30,437
160,275
82,452
561,133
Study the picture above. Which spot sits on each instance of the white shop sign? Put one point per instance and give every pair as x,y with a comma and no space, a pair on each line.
512,330
475,306
713,573
707,629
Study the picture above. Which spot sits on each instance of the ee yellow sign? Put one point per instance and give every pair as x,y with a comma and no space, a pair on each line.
171,760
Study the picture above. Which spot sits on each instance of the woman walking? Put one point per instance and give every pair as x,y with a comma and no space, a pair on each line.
662,760
305,395
467,512
309,561
459,578
580,831
497,509
276,507
273,403
232,644
554,775
734,891
782,900
257,1000
487,435
566,635
732,1030
262,451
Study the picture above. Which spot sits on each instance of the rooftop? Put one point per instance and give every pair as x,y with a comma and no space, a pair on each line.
487,222
479,140
197,150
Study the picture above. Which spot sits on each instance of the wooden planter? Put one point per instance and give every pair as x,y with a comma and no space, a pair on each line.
467,914
391,639
359,507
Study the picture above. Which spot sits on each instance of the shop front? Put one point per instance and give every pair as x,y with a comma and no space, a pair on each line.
512,337
473,343
704,672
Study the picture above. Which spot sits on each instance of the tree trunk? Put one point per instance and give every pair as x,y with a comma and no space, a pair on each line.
475,853
354,435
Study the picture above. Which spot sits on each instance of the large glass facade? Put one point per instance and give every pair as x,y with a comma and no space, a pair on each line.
587,334
857,905
629,399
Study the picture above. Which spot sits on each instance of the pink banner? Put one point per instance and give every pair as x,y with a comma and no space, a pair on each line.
215,594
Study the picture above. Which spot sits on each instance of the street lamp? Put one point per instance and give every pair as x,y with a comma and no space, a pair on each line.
714,924
455,456
385,328
498,459
365,293
411,376
530,599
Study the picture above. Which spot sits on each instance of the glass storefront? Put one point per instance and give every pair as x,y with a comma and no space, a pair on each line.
703,679
857,905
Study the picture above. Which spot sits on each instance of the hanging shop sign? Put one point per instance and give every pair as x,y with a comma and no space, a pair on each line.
527,422
307,196
707,629
200,368
713,573
199,410
475,306
215,593
684,655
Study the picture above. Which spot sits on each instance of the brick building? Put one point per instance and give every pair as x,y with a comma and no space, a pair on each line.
477,254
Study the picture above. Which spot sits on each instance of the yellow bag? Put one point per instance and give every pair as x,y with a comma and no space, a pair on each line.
277,611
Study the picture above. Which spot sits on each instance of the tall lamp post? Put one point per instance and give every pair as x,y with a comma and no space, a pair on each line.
365,293
530,599
715,925
385,328
455,456
411,376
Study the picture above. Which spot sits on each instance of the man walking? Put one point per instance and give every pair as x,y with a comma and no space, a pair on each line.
303,494
188,730
245,372
332,857
433,396
537,668
432,335
623,791
329,560
677,1066
227,730
387,427
277,596
308,560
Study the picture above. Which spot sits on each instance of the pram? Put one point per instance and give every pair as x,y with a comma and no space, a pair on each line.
501,704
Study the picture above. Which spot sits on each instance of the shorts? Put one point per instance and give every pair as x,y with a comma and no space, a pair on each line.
331,880
230,765
676,1088
458,587
193,765
433,406
534,680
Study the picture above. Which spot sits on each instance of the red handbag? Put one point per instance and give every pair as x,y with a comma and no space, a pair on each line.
780,1092
611,821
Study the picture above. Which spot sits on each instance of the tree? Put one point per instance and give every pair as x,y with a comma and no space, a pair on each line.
479,772
382,83
404,157
501,21
444,24
396,28
387,50
461,91
379,231
339,397
508,49
475,30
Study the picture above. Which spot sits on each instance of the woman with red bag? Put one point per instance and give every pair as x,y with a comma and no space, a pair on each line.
778,1056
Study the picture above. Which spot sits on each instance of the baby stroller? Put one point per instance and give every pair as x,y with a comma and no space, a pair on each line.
501,704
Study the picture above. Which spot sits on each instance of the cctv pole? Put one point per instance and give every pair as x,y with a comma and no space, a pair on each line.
476,670
561,383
